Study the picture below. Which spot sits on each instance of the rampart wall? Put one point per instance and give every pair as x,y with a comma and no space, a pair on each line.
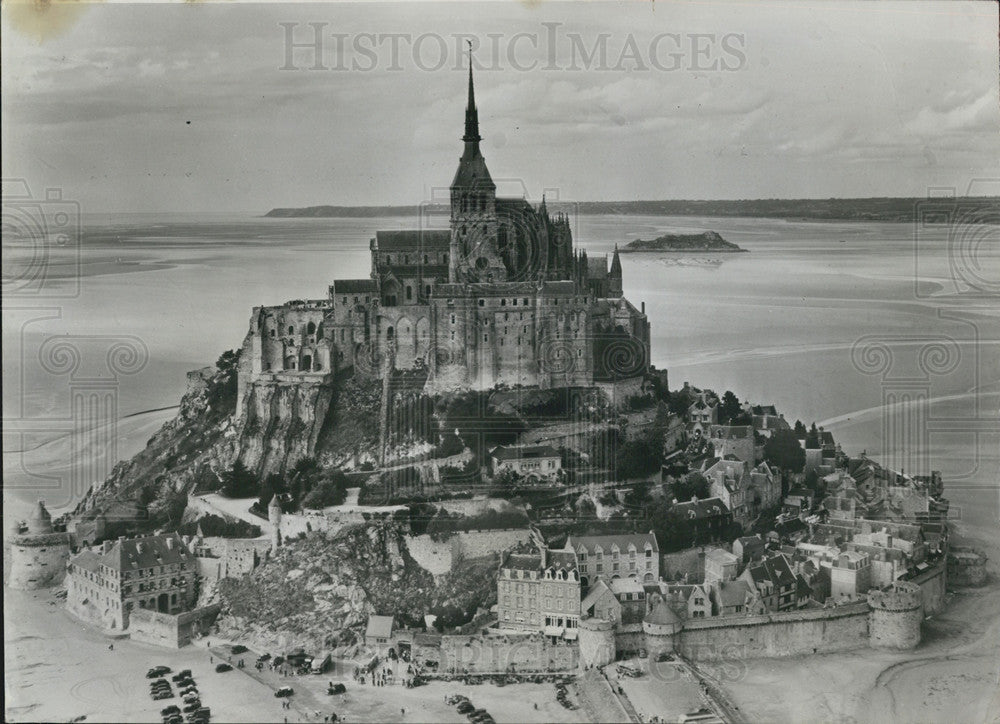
171,631
789,633
933,583
506,653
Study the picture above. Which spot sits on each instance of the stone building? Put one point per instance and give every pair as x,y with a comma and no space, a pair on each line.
539,592
541,461
616,556
37,551
498,297
104,584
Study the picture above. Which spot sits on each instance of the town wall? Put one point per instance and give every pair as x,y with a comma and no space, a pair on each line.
37,561
896,616
966,567
620,391
789,633
171,631
630,639
597,642
933,583
506,653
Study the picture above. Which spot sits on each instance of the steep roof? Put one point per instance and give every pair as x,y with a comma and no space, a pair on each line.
733,593
706,508
775,569
413,240
562,559
606,542
523,562
626,585
353,286
157,550
596,591
662,615
380,626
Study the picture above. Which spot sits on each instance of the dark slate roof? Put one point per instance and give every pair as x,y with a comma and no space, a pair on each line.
472,173
135,553
775,569
764,410
562,559
662,615
703,508
353,286
787,527
524,453
597,268
732,432
733,593
523,562
415,239
590,542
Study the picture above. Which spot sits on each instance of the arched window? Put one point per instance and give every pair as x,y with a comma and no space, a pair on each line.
427,290
311,328
272,333
291,329
426,259
389,333
409,293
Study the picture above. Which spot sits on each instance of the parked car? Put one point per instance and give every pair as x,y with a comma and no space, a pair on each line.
189,690
223,667
284,691
174,719
157,695
336,689
464,707
157,671
181,675
239,649
193,706
172,709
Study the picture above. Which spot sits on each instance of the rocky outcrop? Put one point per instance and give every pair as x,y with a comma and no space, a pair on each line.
282,423
707,241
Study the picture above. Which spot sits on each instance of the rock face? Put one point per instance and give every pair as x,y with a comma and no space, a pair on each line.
708,241
282,423
319,591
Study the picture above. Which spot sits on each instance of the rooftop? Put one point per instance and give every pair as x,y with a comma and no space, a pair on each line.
524,453
607,542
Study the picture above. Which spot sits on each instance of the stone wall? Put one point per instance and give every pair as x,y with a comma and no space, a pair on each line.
789,633
502,653
171,631
467,545
597,642
933,583
37,561
966,567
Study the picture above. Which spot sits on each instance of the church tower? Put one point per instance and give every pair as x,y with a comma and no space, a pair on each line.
474,255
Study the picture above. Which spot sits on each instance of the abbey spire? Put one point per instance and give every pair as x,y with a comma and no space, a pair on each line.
471,114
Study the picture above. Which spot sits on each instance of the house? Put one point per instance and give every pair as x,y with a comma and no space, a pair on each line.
709,519
774,581
703,412
631,598
379,631
745,490
850,575
748,548
735,598
530,461
104,584
765,420
735,440
790,531
616,556
720,565
540,592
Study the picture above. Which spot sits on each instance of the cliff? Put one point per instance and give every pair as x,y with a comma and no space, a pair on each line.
279,424
318,591
708,241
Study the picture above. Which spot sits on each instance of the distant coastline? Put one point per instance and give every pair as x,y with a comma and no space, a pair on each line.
707,241
972,209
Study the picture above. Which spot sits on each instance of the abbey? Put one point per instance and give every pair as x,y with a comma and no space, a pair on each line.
499,298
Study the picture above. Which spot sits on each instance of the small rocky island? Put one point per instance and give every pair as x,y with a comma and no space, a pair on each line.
707,241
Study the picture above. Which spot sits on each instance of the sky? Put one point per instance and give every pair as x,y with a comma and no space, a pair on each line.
205,107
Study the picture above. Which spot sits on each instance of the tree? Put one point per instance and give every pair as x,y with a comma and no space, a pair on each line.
812,438
782,450
729,407
692,485
800,429
239,482
328,492
637,496
680,400
274,484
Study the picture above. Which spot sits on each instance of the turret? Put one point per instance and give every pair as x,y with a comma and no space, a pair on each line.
274,517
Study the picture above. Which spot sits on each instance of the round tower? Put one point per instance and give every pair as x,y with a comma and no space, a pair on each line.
597,642
38,554
274,516
659,628
896,613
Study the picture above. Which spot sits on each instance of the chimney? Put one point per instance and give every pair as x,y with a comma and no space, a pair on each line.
106,546
643,307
